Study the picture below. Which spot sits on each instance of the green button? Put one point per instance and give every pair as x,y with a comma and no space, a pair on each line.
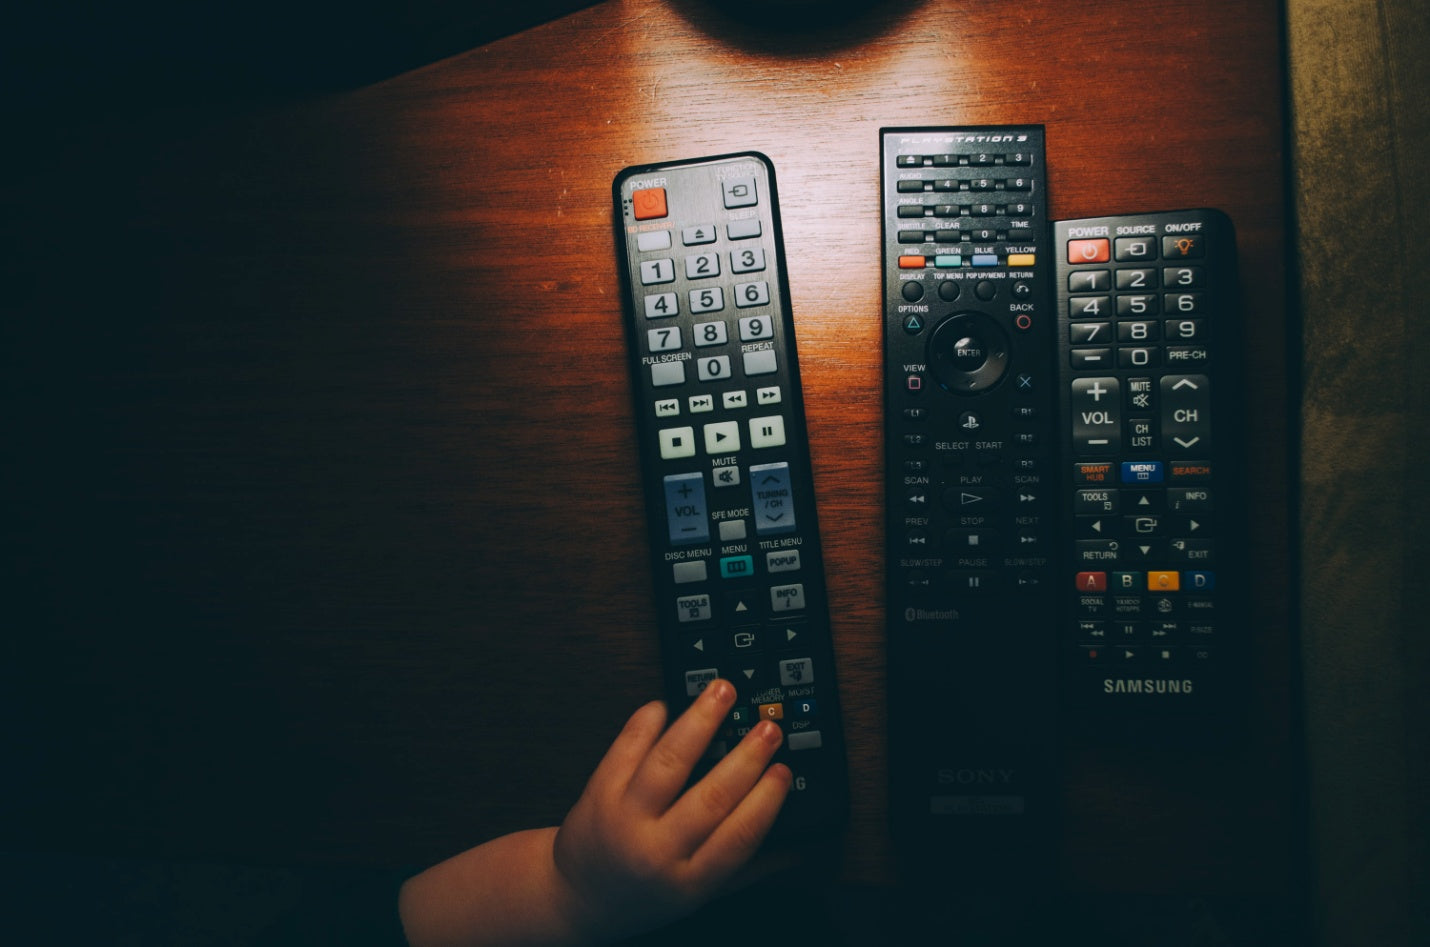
733,567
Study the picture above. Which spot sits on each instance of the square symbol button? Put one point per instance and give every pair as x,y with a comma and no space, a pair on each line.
677,442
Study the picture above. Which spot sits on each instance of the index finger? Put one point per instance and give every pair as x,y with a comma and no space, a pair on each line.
662,775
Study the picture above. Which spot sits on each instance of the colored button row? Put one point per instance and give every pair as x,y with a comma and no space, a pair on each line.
954,260
1156,581
1143,471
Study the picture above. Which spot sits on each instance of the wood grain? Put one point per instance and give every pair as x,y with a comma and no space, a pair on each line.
326,534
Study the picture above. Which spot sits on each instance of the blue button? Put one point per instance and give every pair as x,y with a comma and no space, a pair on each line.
733,567
685,509
984,259
802,708
1198,581
1141,471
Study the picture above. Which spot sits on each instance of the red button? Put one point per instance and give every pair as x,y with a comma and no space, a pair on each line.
649,204
1092,581
1089,251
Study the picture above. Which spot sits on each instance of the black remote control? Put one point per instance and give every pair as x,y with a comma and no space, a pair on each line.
970,443
1149,350
739,575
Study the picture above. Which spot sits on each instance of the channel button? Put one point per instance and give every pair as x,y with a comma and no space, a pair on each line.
773,498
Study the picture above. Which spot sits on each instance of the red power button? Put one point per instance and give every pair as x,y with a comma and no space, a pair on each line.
649,203
1088,251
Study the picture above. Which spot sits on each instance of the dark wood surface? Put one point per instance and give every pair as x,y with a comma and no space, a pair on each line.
322,528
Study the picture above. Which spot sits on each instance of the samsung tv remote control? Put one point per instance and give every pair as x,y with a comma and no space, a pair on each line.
971,444
1149,350
734,539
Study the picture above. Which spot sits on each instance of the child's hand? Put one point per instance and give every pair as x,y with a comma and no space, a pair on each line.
634,850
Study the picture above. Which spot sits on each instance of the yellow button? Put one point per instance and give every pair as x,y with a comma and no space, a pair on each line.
1021,259
772,711
1164,581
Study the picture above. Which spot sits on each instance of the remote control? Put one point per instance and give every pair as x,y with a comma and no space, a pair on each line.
1149,345
739,574
970,401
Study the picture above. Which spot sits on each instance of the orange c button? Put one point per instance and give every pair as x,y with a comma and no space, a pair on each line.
1164,581
772,711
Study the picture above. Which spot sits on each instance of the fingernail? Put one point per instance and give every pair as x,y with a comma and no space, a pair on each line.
720,690
769,732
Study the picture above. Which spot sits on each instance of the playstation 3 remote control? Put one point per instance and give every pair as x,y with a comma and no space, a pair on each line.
729,491
971,444
1149,349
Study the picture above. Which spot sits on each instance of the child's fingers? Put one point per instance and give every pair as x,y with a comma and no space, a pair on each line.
710,801
662,774
735,840
631,745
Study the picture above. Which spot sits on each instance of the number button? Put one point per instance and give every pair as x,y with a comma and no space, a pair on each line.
1139,305
1089,333
714,368
753,328
1136,279
1186,303
707,300
657,271
752,294
664,340
702,265
661,305
1085,307
748,260
1088,281
1184,277
1186,330
710,333
1142,331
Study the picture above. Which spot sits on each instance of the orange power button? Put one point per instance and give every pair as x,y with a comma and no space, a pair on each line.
649,204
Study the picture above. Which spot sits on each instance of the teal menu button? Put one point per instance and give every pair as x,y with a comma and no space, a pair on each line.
734,567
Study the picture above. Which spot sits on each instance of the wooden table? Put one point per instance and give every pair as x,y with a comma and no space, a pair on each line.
324,536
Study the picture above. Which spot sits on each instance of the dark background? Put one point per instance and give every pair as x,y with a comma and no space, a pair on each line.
86,72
